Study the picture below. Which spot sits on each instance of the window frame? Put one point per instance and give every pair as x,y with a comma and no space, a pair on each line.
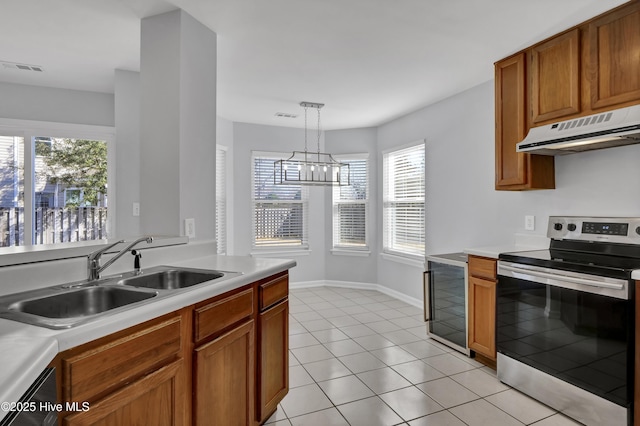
347,249
29,130
303,246
394,252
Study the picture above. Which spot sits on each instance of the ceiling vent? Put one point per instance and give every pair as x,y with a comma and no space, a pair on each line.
21,67
286,115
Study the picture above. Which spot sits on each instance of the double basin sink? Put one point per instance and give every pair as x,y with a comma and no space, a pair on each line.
68,305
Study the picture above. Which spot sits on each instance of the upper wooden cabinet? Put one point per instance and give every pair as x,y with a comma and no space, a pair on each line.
614,57
516,170
591,68
555,77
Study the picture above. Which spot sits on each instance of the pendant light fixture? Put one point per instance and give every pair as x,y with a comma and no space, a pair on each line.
311,168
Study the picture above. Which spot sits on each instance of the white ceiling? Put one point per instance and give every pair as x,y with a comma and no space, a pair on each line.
368,61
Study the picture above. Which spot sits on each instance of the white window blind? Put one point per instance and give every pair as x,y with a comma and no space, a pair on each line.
221,199
404,201
350,206
279,211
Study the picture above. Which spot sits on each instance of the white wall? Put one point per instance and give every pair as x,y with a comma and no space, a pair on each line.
177,124
56,105
340,267
127,121
463,208
198,54
253,137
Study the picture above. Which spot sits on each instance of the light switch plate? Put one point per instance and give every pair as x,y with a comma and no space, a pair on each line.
530,223
136,209
190,227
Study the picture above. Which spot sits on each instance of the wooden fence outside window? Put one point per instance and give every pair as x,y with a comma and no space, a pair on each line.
53,225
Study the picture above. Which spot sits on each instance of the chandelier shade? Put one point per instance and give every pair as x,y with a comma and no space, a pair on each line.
311,168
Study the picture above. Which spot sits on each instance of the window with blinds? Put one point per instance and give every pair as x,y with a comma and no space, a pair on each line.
404,201
350,206
221,199
279,211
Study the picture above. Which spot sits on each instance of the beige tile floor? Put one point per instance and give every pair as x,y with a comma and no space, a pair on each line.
360,357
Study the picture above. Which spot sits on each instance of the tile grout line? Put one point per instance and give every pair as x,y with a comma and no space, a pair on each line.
298,299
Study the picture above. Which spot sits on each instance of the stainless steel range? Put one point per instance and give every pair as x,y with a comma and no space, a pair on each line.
565,318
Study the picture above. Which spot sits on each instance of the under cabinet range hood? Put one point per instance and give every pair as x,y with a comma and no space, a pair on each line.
604,130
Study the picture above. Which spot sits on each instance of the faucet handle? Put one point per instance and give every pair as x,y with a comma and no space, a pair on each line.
96,254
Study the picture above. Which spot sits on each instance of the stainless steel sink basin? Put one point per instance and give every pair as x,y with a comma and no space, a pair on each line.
171,279
81,302
72,304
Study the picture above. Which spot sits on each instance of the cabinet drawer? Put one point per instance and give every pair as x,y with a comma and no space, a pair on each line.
273,291
113,363
214,317
482,267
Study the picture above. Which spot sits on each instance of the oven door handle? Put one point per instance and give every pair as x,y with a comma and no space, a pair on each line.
575,280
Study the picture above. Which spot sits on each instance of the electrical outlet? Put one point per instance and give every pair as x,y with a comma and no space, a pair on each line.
136,209
530,223
190,227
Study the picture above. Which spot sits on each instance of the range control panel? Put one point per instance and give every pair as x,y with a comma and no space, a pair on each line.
616,230
605,228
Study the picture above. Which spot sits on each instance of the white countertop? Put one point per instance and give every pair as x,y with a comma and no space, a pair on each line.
494,251
26,350
522,242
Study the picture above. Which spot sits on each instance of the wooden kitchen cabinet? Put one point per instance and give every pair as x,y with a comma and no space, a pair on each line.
273,345
156,399
223,361
516,170
591,68
614,58
224,374
482,306
123,374
555,78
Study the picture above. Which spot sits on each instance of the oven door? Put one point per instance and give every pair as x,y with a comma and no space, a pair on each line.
575,327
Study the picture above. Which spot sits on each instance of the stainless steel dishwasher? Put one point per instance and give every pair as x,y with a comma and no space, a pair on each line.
445,299
37,405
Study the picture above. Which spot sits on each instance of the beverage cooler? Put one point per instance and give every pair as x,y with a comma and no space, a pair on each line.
445,299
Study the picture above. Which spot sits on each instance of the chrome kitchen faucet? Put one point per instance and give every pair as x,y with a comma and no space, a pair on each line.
93,266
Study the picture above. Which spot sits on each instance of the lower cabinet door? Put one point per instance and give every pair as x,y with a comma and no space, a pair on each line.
157,399
273,374
224,379
482,316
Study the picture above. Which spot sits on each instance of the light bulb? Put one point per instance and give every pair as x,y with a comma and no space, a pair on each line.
325,168
313,168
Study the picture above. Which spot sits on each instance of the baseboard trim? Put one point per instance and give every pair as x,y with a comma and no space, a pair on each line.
418,303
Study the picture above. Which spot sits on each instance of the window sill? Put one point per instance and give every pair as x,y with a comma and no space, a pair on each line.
411,261
10,256
356,253
280,253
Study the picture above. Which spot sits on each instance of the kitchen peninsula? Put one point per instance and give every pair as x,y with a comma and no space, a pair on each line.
228,341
